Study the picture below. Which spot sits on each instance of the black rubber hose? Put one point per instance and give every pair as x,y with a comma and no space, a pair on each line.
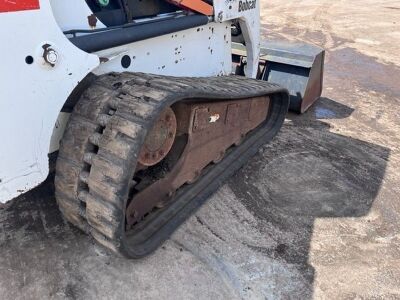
126,35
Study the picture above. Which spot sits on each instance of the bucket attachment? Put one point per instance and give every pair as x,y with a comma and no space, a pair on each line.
297,67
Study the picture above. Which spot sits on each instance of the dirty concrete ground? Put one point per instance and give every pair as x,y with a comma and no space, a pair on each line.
316,214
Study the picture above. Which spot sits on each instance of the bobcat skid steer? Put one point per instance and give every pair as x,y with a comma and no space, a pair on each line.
137,100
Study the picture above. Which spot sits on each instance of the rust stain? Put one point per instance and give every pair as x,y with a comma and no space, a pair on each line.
92,20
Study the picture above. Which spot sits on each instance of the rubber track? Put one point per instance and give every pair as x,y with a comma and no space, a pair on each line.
104,136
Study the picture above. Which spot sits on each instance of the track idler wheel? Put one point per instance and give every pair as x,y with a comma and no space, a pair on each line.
159,140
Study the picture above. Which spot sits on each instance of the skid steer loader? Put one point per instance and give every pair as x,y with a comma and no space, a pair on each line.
137,100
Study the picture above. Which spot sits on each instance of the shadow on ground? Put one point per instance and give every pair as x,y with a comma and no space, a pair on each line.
307,172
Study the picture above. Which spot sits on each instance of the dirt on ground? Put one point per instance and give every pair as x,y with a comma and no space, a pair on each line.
316,214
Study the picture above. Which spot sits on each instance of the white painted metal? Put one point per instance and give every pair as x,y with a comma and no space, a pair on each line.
58,131
201,51
247,12
72,14
31,96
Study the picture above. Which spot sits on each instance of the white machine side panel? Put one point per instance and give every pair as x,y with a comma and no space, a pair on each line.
202,51
247,12
32,93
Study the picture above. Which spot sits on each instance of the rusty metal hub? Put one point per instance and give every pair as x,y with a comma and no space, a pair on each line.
159,139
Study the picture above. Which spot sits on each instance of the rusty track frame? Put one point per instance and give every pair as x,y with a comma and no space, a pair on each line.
211,128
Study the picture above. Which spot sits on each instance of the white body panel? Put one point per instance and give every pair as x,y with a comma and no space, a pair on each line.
248,14
32,95
193,52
